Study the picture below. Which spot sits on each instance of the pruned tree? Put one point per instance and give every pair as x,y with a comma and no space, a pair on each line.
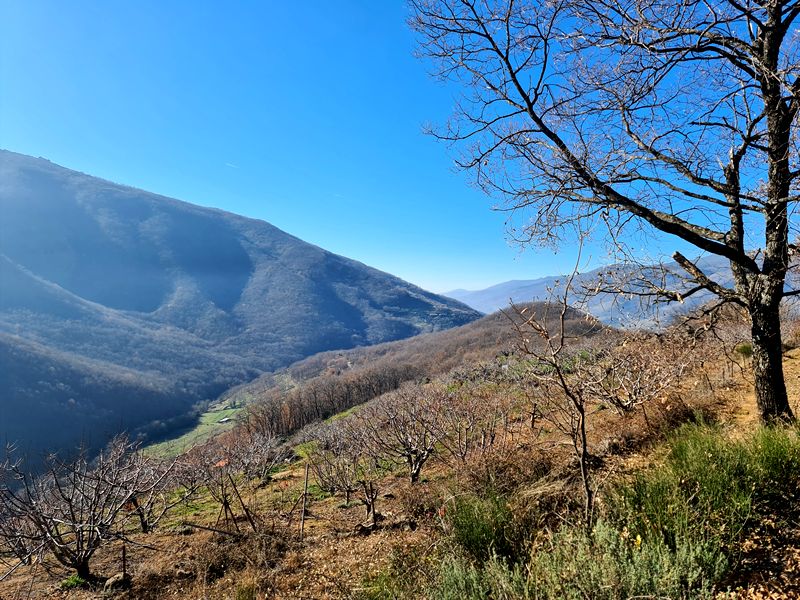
213,466
462,428
334,463
678,116
79,505
641,367
402,426
366,461
254,453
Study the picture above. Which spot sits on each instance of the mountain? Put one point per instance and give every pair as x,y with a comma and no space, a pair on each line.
612,309
121,309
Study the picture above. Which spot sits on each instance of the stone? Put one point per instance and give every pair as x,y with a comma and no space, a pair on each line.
120,581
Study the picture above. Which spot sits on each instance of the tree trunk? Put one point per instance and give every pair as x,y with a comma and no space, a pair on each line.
414,476
140,513
770,386
581,440
82,570
415,468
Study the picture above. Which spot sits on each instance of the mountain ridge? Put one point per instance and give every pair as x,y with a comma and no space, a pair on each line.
197,299
616,309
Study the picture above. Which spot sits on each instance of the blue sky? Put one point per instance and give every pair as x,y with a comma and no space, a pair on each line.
308,115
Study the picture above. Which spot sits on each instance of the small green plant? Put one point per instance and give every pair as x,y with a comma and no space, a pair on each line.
74,581
246,592
317,493
744,349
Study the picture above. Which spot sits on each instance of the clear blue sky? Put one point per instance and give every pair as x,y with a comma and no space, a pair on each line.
308,115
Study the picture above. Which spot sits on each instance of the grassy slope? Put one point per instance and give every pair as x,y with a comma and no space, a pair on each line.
207,427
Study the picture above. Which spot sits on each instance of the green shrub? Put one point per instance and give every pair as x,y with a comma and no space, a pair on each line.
482,526
459,579
613,564
672,532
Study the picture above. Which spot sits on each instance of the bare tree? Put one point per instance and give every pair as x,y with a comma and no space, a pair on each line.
462,427
679,117
335,463
214,467
639,368
366,460
402,426
560,374
346,460
77,506
476,417
254,453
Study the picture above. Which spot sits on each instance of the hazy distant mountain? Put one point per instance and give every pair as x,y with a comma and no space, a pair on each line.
119,307
612,309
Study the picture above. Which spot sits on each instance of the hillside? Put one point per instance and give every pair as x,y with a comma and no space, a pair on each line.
185,301
693,498
425,355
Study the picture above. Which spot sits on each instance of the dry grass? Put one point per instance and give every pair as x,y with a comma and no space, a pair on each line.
333,560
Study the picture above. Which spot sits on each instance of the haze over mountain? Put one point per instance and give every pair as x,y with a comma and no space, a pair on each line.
612,309
121,308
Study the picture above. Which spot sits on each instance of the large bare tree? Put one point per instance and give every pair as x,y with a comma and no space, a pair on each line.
676,116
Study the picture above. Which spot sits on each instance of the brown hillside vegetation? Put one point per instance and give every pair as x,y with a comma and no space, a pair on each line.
430,353
467,485
331,382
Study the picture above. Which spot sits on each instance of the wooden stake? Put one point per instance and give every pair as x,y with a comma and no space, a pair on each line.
303,512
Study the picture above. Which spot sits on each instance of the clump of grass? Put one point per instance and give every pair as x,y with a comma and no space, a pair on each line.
246,591
482,526
710,487
672,531
410,569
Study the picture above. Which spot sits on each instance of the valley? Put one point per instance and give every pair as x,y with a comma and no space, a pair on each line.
145,309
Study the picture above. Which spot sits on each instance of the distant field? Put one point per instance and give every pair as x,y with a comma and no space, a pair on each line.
208,427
